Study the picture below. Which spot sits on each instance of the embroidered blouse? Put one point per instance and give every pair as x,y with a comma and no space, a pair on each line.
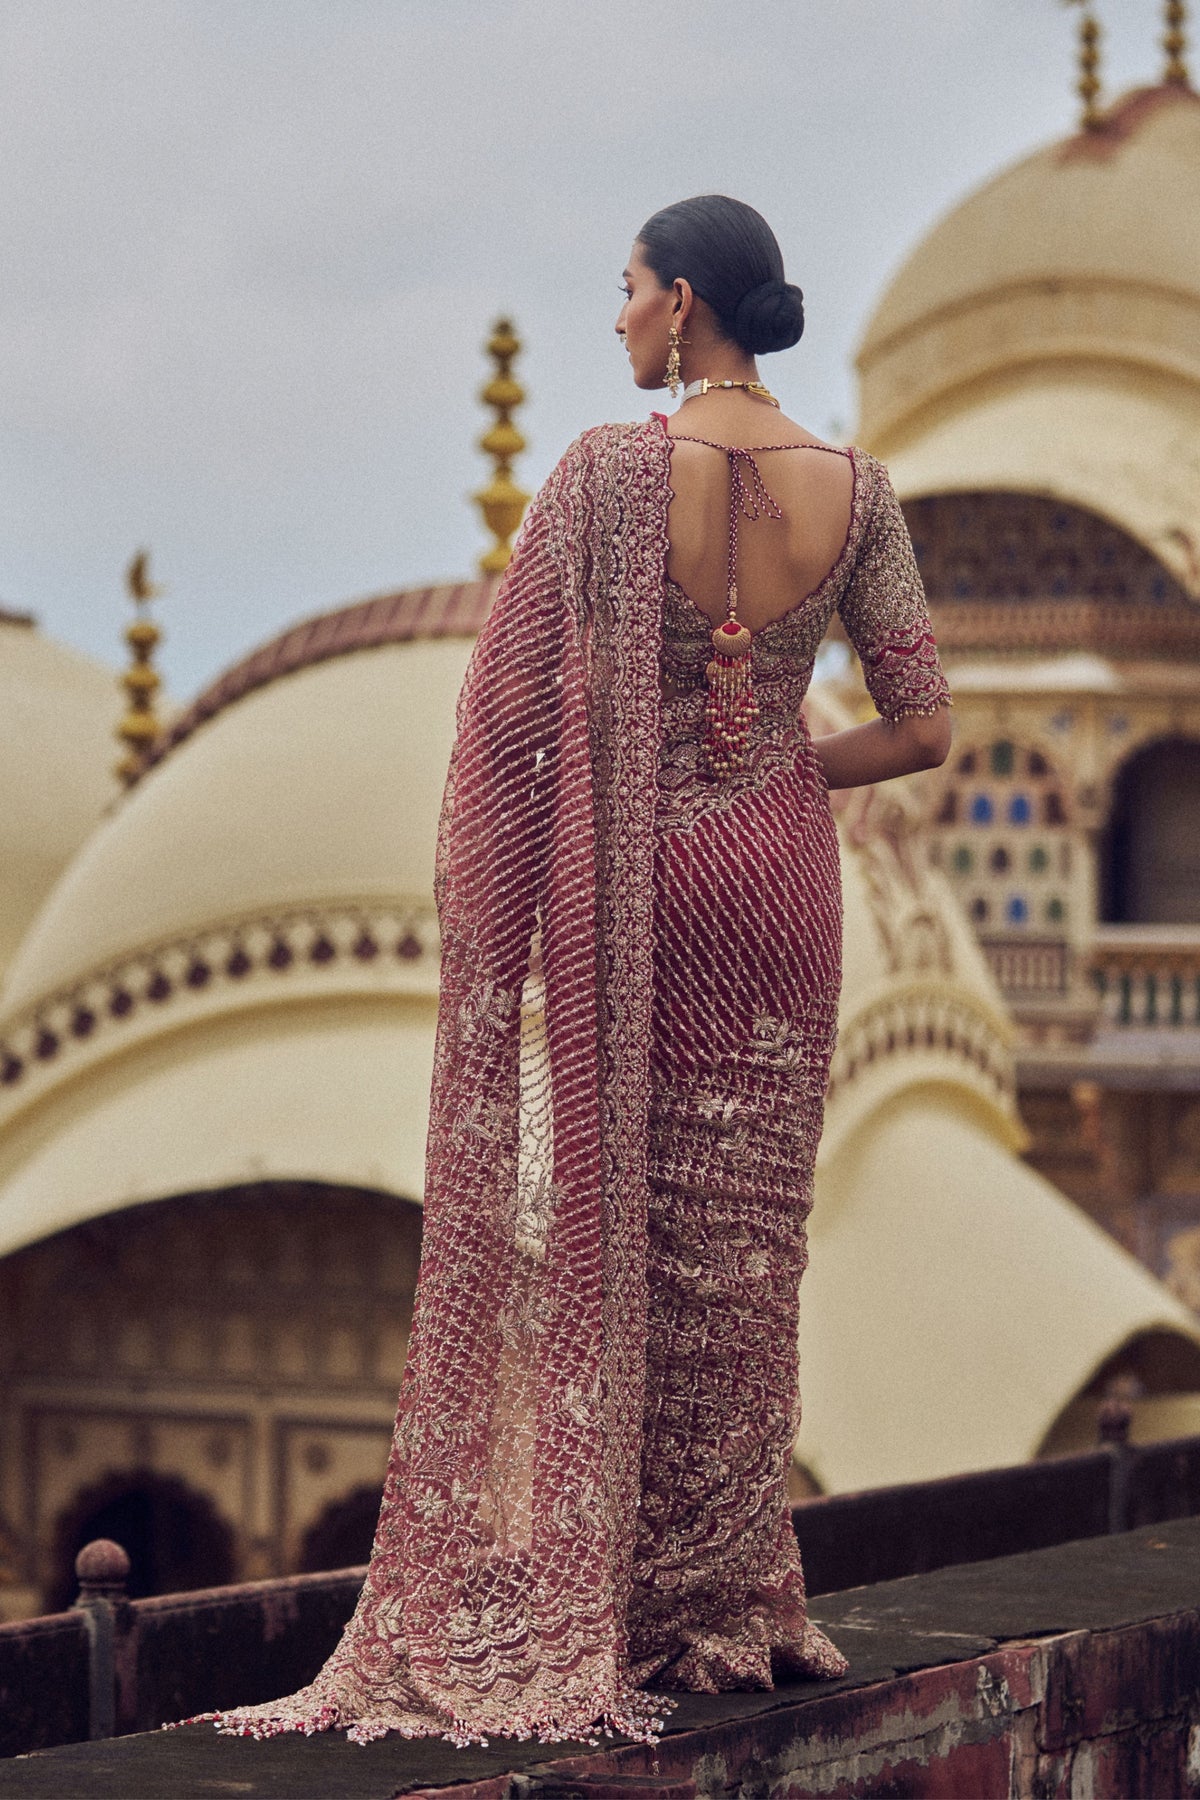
875,588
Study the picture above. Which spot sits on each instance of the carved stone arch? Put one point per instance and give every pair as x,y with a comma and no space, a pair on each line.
1012,571
340,1537
1151,1362
175,1537
1150,844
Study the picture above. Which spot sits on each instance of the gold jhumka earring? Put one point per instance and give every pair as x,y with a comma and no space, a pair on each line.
673,375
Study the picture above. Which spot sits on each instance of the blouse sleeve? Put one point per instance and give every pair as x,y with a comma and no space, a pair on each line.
885,614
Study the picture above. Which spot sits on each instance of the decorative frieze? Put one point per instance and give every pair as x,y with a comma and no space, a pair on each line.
347,945
919,1023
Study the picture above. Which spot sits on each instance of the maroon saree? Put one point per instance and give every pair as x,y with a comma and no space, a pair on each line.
587,1485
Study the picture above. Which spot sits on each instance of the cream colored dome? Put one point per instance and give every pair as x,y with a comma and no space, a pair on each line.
1112,206
318,788
236,981
58,710
1045,335
236,978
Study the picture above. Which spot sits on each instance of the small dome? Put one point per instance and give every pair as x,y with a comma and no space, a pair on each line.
1045,336
1116,205
58,710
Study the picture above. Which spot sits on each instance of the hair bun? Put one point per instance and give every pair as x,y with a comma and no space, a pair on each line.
769,317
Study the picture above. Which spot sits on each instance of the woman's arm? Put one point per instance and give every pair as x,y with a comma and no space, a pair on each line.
886,618
877,751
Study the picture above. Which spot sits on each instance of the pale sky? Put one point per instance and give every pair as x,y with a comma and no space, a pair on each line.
251,250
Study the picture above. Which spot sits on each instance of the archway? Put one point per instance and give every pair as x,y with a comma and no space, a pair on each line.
341,1537
174,1536
1151,860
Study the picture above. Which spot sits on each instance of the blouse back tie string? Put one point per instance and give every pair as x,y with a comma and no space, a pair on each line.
732,708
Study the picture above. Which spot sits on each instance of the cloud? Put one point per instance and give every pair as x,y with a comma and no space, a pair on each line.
252,251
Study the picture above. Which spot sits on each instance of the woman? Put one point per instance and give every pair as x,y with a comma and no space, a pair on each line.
637,882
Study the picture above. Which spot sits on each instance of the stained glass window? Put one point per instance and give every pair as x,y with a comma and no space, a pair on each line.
1056,912
1019,810
981,809
1039,859
963,860
1003,757
999,860
1017,909
979,909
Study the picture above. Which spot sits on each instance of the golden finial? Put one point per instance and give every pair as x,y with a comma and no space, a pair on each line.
1088,85
1175,43
502,502
139,728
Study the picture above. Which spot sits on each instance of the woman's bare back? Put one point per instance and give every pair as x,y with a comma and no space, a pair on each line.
779,561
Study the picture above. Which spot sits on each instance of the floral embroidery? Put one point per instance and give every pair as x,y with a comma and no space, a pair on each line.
587,1488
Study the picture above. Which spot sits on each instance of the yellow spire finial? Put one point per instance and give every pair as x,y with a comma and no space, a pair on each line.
1174,42
139,728
502,502
1088,85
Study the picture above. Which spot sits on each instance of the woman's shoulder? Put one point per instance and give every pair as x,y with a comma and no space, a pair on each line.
600,440
608,449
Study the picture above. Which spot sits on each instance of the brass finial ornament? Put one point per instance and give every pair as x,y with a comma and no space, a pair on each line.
139,728
1174,42
502,502
1088,85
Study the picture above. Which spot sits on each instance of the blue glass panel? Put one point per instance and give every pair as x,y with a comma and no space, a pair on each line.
981,809
1019,810
1017,911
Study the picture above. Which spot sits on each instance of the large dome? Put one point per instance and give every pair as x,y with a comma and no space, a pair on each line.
306,775
58,710
236,982
236,978
1045,336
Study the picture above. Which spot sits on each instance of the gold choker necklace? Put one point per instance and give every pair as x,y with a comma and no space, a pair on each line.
705,386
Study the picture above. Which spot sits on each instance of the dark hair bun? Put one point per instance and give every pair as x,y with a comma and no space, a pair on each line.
732,258
769,317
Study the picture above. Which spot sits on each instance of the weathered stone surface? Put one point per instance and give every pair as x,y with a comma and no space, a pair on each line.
1065,1672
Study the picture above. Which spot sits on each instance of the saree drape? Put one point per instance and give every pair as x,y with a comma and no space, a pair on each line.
497,1592
587,1486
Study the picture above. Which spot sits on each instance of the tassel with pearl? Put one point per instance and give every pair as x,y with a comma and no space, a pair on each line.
732,708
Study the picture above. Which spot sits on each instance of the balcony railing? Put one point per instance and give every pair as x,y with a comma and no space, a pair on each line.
1029,966
1147,976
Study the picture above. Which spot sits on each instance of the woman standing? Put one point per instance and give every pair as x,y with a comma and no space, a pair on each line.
637,883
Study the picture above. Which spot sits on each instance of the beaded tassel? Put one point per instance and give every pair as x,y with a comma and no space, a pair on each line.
732,708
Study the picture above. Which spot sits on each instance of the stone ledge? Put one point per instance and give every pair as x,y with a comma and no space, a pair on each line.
1025,1675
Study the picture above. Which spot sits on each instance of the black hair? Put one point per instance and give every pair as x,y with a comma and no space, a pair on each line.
732,259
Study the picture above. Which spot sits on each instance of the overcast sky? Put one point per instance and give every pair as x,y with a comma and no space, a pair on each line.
250,250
